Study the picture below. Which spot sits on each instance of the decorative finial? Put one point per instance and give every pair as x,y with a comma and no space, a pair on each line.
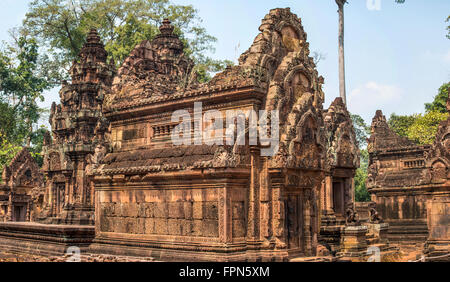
93,36
166,28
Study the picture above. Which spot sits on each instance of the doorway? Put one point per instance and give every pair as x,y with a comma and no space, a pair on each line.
20,213
338,197
294,222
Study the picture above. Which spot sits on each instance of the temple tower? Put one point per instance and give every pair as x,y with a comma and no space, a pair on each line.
78,131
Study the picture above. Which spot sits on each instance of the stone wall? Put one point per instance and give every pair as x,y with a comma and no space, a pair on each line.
181,212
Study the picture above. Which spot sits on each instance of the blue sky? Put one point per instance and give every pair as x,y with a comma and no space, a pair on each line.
396,57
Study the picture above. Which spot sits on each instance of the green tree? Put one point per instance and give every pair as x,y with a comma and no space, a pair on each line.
21,87
37,139
439,103
362,130
121,23
361,193
7,152
448,27
424,128
8,119
401,123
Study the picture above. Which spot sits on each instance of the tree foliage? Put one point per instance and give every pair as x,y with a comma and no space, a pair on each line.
361,193
439,103
122,24
401,123
448,27
7,152
21,87
424,128
362,130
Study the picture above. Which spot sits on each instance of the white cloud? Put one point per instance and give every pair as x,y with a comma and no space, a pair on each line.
366,99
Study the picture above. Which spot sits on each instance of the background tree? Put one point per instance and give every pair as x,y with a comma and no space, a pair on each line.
448,27
21,87
362,131
122,24
439,103
401,123
361,193
424,128
7,152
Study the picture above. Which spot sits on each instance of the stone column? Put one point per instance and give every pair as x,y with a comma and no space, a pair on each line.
253,206
67,190
225,215
278,211
9,213
54,199
307,221
264,199
329,194
81,180
28,214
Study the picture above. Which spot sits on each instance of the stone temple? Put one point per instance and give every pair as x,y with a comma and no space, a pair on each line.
117,184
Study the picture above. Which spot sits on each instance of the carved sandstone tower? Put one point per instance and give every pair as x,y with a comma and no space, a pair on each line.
78,130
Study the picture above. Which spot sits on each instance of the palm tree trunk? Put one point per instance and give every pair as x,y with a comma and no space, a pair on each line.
342,93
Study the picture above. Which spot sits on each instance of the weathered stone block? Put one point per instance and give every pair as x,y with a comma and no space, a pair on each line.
106,224
187,228
197,210
188,210
211,210
133,210
149,226
119,225
161,226
130,225
174,226
238,210
176,210
210,228
239,228
140,226
160,210
197,228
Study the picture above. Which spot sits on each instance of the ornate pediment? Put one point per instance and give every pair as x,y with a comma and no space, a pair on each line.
23,171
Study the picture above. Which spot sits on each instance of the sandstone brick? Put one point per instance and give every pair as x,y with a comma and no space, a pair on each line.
188,210
149,226
210,228
174,226
238,210
239,228
161,226
160,210
176,210
211,210
197,210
